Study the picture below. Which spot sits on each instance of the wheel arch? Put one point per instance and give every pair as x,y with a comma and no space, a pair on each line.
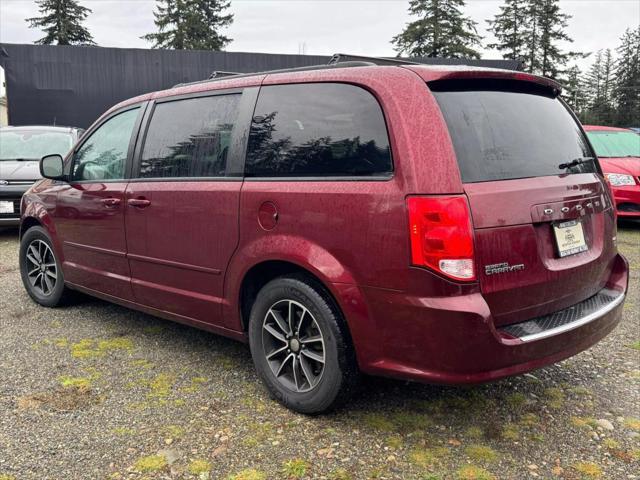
263,272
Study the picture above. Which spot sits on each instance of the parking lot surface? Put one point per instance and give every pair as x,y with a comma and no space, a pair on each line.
96,391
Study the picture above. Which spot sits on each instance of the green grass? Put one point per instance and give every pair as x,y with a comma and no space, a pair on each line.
295,469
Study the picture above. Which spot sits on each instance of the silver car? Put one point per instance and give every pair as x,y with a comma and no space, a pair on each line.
20,151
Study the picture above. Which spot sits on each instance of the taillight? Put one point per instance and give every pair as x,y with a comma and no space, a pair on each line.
442,235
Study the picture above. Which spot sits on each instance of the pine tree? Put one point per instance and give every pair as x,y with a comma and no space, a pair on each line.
509,27
573,91
551,23
190,24
441,31
62,20
599,90
626,90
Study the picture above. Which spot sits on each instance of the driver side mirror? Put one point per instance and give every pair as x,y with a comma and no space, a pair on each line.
52,167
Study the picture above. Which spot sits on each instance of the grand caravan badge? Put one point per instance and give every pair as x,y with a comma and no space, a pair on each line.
502,268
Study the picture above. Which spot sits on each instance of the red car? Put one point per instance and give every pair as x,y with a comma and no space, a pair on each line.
438,224
618,150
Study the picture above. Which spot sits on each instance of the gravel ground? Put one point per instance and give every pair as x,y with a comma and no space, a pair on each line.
98,391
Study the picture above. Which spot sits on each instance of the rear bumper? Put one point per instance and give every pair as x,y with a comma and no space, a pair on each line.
627,200
453,340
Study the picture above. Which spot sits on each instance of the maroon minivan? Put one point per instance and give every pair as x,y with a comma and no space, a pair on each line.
440,224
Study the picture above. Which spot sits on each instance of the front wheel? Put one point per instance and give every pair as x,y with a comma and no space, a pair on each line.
300,345
40,269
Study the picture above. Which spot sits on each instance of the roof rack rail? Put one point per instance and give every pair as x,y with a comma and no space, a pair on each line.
220,74
346,64
340,58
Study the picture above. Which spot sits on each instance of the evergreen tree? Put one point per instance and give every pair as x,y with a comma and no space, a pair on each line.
573,91
626,90
599,90
62,20
441,31
551,24
190,24
509,27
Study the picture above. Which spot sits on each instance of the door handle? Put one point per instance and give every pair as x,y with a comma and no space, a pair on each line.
110,202
139,202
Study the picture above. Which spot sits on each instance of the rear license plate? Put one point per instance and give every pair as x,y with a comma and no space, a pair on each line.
569,238
6,207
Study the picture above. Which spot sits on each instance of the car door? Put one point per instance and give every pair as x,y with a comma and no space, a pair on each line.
182,207
90,208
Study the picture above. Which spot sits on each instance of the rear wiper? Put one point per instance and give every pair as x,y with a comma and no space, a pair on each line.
576,162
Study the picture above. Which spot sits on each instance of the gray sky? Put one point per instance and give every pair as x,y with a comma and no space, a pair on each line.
325,26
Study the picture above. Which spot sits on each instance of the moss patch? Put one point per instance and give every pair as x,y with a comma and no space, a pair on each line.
198,467
161,385
248,474
481,453
428,457
471,472
632,423
77,382
516,400
555,397
377,421
588,469
91,348
152,463
511,432
340,474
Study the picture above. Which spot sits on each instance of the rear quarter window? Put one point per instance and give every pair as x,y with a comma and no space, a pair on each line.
317,130
508,130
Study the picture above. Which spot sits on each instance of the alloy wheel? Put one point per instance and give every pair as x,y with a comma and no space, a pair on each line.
293,345
41,267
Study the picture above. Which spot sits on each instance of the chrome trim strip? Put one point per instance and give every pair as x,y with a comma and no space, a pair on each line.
578,323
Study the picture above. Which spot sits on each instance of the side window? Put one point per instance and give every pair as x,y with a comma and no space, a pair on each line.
189,138
104,155
323,129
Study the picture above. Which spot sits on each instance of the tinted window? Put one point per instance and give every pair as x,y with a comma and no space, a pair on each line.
104,155
503,131
317,130
189,138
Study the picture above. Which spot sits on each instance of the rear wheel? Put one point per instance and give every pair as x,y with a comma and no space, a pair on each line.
300,345
40,269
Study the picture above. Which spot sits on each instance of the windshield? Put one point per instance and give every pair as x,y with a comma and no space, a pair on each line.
33,144
615,144
507,130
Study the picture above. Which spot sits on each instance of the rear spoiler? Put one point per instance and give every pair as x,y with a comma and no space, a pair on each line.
430,74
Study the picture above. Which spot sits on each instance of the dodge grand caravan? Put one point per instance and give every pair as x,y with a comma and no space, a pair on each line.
445,225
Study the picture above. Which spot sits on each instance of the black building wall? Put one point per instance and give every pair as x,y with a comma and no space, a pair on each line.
72,86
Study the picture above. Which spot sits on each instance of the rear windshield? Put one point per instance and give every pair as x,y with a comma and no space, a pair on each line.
615,144
33,144
507,130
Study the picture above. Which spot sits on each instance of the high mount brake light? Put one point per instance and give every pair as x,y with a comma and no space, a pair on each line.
442,235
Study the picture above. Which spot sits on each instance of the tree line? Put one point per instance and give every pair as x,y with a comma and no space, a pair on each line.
531,31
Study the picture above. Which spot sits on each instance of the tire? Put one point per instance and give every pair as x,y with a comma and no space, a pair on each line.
317,386
44,286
